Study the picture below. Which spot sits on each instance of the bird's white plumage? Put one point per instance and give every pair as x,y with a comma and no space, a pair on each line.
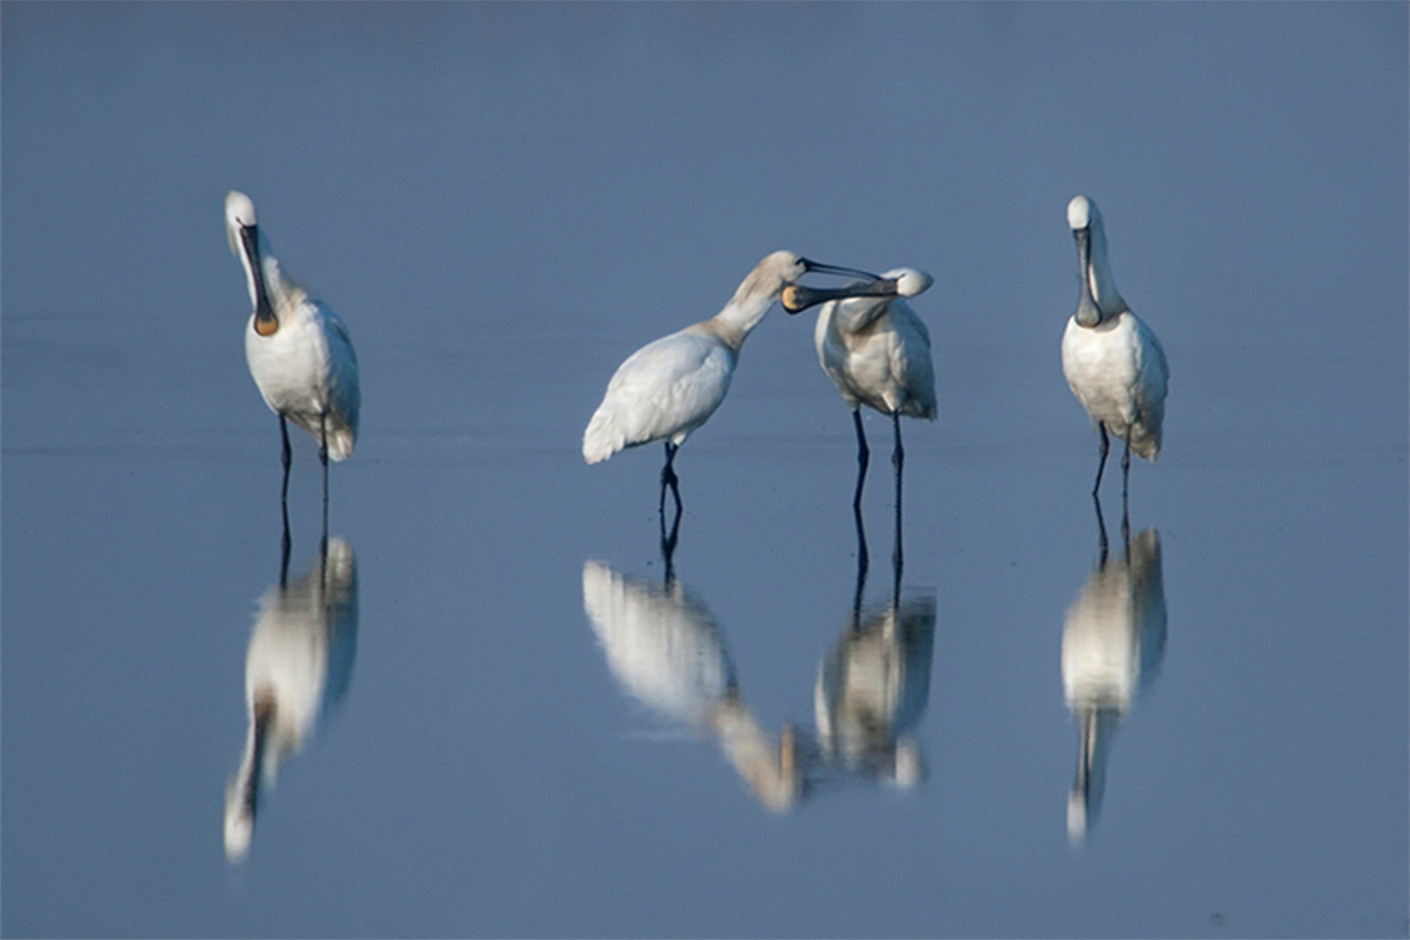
1118,372
662,392
877,351
1113,363
298,350
307,370
671,386
1079,212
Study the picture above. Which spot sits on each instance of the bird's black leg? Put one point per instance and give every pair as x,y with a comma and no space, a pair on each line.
323,456
1126,466
1101,528
863,458
1101,464
668,478
898,459
288,460
1125,473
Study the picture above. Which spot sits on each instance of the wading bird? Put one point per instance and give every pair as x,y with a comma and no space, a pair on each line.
1113,362
670,387
299,352
877,352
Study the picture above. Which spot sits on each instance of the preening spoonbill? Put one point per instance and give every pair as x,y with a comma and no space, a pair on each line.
298,350
877,351
1113,640
1113,362
670,387
298,667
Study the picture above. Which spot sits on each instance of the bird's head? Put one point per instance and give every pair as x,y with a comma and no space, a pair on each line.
239,216
247,243
898,282
1099,299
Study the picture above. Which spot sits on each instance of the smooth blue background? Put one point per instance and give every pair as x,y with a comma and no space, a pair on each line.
502,202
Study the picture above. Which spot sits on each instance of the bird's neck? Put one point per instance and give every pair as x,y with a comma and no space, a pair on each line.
284,294
855,314
1101,283
739,317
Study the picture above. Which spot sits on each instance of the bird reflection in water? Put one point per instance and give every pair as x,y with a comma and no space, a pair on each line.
874,684
665,649
297,670
1112,643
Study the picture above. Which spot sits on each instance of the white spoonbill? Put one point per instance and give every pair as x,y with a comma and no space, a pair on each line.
299,352
877,351
670,387
1113,362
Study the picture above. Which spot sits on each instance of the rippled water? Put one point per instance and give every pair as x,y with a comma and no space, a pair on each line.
515,720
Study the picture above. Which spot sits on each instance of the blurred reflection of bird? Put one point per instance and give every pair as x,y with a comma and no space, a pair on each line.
1112,360
298,350
297,668
664,648
670,387
874,684
877,352
1112,643
872,689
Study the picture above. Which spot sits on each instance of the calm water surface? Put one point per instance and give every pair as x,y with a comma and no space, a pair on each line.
527,725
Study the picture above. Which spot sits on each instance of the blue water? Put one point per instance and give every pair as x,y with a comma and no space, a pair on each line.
502,202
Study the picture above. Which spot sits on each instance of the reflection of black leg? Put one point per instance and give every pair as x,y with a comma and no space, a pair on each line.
285,545
1101,464
668,478
323,557
1125,528
862,567
863,458
863,559
898,460
897,566
1101,527
668,541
